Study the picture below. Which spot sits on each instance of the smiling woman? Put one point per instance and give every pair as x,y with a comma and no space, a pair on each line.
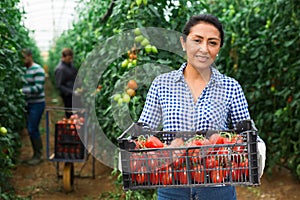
196,97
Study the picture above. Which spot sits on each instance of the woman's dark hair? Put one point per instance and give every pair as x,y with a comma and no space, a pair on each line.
207,18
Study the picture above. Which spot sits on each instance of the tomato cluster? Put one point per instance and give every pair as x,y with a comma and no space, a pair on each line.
222,158
67,141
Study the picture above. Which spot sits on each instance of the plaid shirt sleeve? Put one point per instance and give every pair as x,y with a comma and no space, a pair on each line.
239,106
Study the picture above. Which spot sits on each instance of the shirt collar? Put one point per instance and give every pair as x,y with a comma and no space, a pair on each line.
216,76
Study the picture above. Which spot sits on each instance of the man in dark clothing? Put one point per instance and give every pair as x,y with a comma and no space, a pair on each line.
65,75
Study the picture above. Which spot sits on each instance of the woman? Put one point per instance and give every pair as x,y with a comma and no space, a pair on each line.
196,97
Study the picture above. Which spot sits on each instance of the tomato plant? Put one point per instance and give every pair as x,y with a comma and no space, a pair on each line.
13,38
262,32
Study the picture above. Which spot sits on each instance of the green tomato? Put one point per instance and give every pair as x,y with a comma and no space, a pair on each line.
126,98
130,65
3,130
120,101
154,49
139,38
134,62
272,88
137,31
148,48
125,63
145,2
117,97
138,2
145,42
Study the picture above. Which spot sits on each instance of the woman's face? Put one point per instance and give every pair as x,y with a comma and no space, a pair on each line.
202,45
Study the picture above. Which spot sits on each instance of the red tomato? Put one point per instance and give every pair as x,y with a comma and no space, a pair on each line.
154,177
152,161
217,175
183,175
227,137
153,142
216,139
237,157
194,155
198,173
235,173
136,161
141,176
179,161
166,177
211,162
245,167
222,156
239,148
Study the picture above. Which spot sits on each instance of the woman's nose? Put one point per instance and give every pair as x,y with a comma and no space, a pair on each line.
203,47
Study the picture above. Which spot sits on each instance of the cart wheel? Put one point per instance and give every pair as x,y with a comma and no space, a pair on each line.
68,176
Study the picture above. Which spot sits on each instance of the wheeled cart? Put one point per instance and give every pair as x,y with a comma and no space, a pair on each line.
68,142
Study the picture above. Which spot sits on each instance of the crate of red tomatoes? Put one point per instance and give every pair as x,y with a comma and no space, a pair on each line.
68,144
151,159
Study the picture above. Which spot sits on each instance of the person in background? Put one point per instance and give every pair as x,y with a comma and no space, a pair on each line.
196,97
65,75
33,90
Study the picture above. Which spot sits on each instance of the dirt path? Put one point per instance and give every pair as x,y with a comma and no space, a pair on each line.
41,182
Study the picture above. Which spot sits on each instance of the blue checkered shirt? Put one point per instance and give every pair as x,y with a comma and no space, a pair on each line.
170,104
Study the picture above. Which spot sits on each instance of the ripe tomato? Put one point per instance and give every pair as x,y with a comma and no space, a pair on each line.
211,162
198,173
236,157
216,139
179,161
182,174
153,142
152,160
217,175
194,155
166,177
136,161
233,171
154,177
245,167
141,176
222,156
132,84
239,148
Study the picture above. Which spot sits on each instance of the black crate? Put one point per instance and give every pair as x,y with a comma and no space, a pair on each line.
68,144
209,165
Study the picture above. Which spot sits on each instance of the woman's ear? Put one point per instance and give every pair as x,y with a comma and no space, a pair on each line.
183,43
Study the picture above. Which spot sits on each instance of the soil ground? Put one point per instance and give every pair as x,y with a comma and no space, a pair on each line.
42,183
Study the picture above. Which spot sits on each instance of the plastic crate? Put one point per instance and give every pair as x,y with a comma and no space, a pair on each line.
67,142
208,165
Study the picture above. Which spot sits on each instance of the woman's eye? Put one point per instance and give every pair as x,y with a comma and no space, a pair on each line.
213,43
